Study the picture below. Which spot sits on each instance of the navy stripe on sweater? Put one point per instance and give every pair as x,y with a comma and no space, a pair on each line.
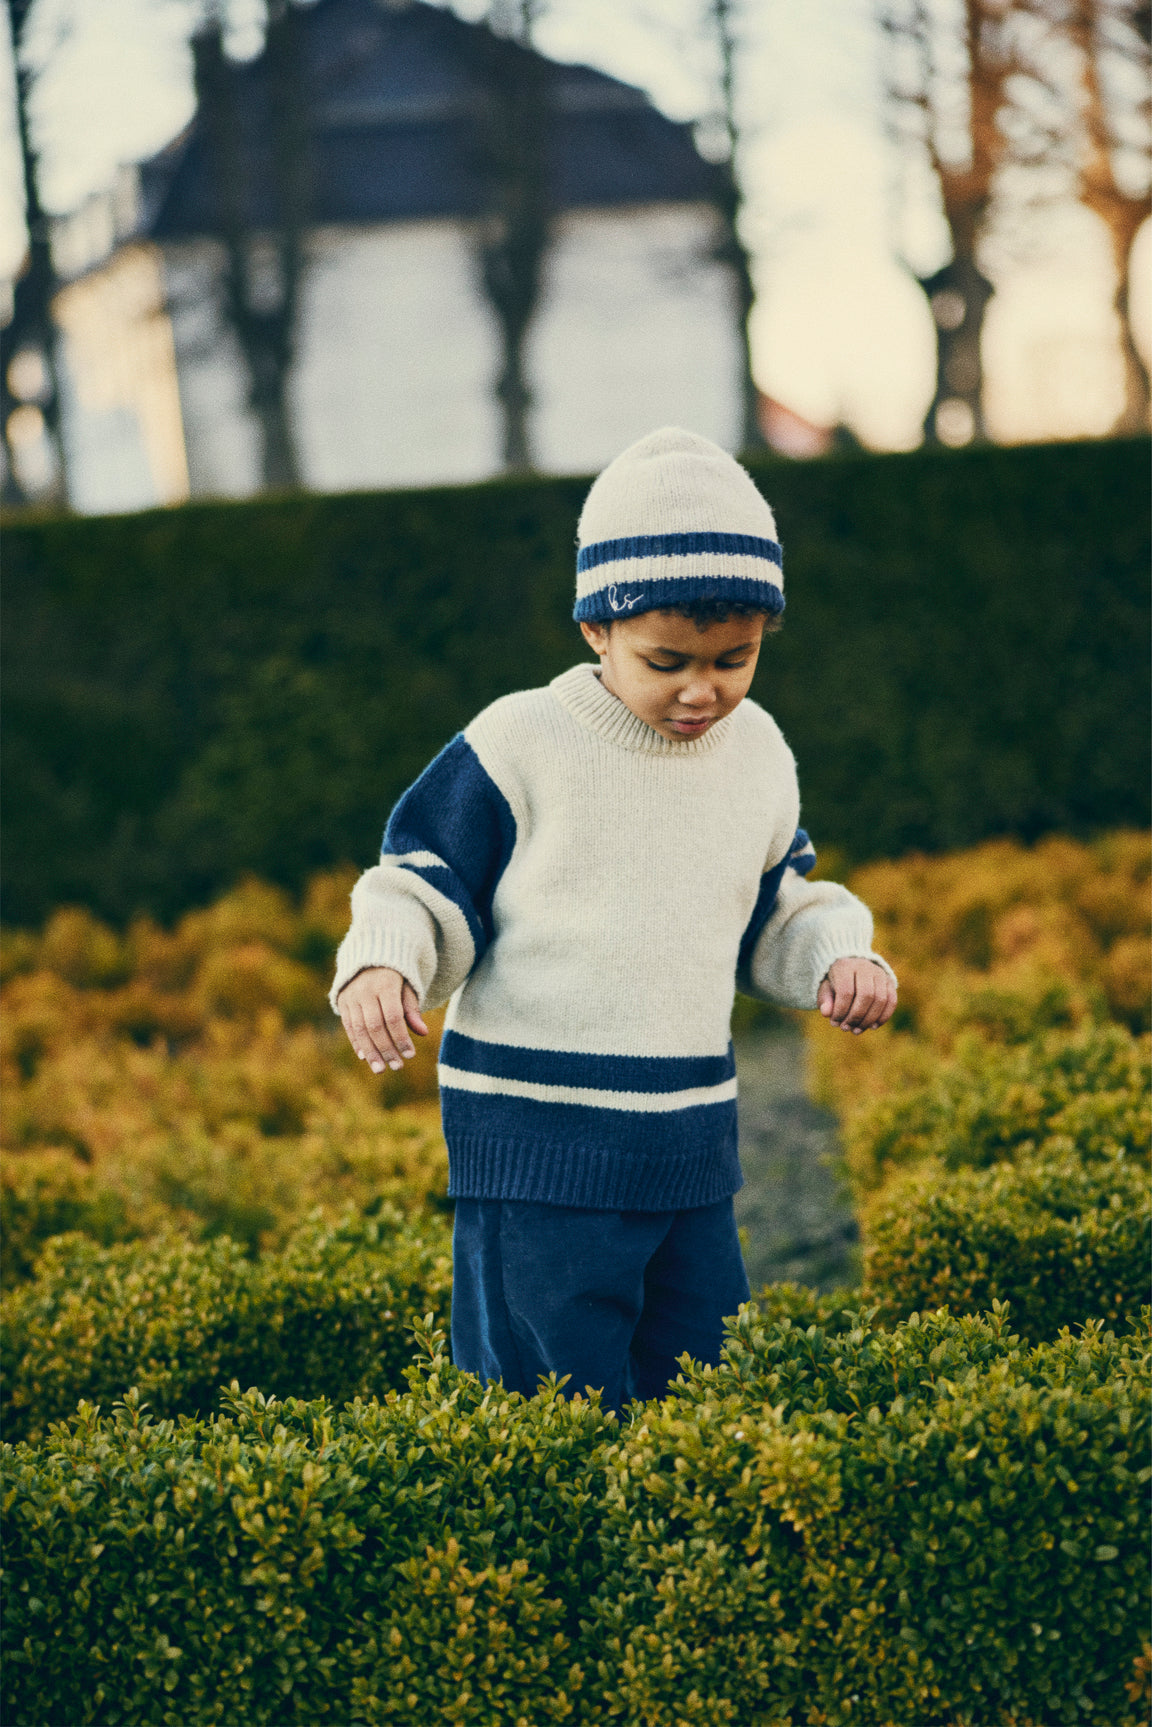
650,1073
456,813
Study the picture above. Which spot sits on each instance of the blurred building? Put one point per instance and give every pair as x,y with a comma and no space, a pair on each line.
397,347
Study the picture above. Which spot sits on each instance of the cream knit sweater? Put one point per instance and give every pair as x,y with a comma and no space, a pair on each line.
585,892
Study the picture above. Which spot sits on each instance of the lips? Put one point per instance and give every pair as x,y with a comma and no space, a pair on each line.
692,726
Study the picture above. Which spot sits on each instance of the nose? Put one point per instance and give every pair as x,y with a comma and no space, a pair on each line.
698,692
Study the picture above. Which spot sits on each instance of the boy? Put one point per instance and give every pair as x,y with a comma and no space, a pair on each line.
586,871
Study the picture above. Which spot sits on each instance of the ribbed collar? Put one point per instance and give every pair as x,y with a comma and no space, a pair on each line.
581,692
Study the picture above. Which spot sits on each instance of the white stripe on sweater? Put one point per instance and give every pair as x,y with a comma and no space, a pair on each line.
592,1097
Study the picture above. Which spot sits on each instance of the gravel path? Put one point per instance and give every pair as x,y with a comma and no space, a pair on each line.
796,1214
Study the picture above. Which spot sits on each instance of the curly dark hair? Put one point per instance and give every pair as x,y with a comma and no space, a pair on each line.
705,612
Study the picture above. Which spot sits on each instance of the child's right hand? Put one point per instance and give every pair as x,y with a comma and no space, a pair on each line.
376,1008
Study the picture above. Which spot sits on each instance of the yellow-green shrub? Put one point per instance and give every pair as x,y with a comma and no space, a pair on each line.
839,1525
329,1315
1024,996
196,1079
1061,1240
1085,1092
1002,939
424,1558
882,1529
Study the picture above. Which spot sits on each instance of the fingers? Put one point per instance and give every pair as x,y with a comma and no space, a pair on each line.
857,995
878,1009
412,1013
374,1011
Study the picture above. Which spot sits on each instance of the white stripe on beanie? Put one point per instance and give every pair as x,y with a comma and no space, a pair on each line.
674,519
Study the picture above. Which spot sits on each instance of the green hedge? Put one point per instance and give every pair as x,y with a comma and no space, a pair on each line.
1084,1093
1060,1240
196,692
840,1524
899,1528
329,1315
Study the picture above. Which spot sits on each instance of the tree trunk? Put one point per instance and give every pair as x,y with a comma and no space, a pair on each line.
515,231
32,324
1137,409
958,295
260,282
733,252
729,201
1121,214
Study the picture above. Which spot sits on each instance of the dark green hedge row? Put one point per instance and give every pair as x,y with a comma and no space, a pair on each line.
842,1525
1055,1238
1015,1172
330,1315
197,692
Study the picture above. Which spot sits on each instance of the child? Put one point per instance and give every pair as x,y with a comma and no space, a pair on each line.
586,872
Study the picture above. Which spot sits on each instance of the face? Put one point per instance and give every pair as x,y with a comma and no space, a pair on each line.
679,679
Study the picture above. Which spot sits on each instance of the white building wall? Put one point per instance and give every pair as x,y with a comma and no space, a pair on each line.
398,352
637,330
393,379
120,400
221,438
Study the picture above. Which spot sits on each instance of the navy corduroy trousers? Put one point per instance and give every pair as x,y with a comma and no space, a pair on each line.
610,1298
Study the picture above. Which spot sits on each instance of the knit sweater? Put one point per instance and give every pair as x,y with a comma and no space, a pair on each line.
585,893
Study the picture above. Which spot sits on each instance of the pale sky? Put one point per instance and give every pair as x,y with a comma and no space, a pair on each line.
840,330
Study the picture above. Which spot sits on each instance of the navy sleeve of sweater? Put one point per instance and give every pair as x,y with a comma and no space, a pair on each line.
801,857
454,829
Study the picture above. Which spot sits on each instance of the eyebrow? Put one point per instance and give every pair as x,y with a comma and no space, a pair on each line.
679,654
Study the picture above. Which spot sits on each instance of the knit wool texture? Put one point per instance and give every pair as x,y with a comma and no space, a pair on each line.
675,519
586,892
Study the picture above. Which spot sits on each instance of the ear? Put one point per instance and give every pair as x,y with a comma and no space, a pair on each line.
596,635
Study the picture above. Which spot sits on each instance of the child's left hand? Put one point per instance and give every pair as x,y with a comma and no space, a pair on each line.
856,994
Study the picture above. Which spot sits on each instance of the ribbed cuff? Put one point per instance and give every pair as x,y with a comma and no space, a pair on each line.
373,944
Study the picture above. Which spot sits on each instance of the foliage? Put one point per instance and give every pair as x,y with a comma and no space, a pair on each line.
197,1079
993,1134
1062,1240
328,1315
867,1516
195,693
422,1558
1003,941
1084,1093
893,1527
839,1524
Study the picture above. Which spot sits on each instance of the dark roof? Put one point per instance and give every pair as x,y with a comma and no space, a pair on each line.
392,92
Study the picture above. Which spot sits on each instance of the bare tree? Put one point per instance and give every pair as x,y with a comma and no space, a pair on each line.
31,329
263,269
729,203
947,85
515,229
1105,116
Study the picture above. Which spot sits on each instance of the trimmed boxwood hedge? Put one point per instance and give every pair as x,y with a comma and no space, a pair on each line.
329,1315
1084,1092
192,693
1059,1239
865,1528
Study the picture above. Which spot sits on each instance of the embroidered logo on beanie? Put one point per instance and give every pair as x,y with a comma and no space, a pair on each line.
674,519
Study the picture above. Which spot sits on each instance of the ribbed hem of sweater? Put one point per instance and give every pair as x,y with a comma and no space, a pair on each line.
596,1177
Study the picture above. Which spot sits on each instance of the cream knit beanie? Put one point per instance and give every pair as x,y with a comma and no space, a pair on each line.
674,519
